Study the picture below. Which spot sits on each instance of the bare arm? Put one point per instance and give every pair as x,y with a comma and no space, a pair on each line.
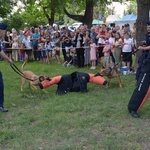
144,47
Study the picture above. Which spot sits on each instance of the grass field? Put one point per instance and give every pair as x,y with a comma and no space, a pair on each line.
96,120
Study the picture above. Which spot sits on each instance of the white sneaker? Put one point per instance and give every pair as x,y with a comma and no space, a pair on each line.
91,68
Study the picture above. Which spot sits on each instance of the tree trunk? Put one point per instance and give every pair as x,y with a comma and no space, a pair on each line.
50,17
88,15
142,17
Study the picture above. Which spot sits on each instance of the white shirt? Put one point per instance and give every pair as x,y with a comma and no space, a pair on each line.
127,47
26,42
111,40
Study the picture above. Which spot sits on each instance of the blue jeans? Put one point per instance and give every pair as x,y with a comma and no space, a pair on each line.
1,90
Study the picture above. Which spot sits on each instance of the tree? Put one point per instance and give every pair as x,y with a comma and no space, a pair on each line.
48,8
143,8
132,7
14,21
6,7
87,17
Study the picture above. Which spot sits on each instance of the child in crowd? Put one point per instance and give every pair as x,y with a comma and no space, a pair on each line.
69,60
106,51
93,53
50,47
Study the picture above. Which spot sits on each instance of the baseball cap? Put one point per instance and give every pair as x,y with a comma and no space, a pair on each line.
148,23
3,26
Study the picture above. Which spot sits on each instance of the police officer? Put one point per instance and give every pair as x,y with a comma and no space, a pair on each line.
2,54
142,90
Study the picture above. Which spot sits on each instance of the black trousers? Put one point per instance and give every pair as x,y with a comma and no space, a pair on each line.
1,90
141,88
80,57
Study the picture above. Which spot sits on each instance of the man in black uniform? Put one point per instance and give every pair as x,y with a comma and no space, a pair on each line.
2,54
142,90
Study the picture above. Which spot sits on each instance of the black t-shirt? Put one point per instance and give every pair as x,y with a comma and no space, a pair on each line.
69,58
148,39
7,45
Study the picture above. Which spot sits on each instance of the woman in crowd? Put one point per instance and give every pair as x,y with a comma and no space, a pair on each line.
101,40
79,48
118,49
8,44
56,41
111,40
87,48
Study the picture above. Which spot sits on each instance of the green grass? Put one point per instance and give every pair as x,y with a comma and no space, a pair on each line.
96,120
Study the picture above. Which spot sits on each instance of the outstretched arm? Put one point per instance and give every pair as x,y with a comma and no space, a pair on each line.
46,83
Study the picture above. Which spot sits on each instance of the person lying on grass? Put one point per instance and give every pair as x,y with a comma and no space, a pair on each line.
74,82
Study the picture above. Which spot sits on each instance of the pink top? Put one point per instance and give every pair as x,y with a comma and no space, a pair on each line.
93,51
106,50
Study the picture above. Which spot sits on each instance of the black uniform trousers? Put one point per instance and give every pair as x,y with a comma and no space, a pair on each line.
80,57
141,88
1,90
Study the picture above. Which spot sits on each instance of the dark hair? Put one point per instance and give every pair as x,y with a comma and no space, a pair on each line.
119,36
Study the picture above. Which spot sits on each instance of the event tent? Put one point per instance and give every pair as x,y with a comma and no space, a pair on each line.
96,22
129,18
112,18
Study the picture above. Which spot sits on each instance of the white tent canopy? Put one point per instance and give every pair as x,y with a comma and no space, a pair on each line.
112,18
96,22
129,18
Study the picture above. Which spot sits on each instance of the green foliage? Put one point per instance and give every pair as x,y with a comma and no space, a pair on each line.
132,7
6,7
14,21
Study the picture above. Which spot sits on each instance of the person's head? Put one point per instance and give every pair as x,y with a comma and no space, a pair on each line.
126,35
21,32
148,26
78,31
104,26
117,28
113,33
92,30
36,30
117,35
104,19
126,27
57,34
8,33
134,34
2,29
92,40
107,42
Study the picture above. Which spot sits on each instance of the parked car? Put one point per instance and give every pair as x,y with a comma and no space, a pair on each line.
76,25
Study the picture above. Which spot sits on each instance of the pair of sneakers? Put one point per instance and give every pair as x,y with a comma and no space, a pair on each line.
93,67
2,109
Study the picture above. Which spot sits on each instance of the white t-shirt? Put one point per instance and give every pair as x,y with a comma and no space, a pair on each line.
111,40
127,47
26,42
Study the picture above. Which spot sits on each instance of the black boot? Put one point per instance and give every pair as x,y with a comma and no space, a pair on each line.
2,109
134,114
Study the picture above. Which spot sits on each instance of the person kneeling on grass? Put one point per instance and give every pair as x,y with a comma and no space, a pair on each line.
69,60
74,82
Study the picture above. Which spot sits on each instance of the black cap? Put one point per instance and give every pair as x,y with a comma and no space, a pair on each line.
148,23
3,26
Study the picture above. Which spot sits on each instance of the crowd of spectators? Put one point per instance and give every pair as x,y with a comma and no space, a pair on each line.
83,47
